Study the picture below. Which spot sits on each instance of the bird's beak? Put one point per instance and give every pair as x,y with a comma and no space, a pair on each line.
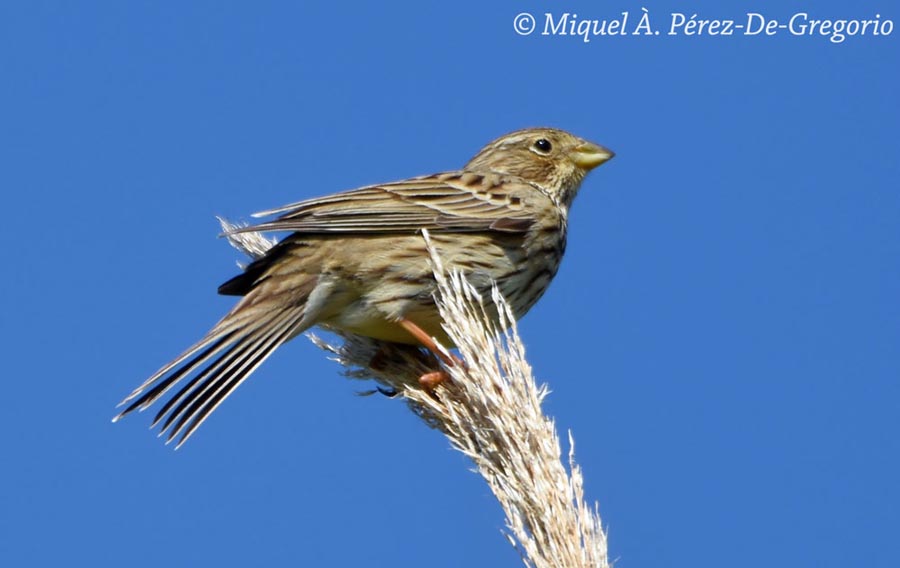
588,156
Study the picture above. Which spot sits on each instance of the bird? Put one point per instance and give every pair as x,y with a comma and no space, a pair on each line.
357,262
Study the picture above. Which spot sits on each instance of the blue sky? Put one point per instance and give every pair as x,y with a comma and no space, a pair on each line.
722,338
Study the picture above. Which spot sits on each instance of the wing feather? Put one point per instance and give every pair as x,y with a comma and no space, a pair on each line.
452,201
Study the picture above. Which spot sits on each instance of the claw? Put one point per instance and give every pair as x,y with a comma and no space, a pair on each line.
390,393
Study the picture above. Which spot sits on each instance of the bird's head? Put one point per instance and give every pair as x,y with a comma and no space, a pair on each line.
548,157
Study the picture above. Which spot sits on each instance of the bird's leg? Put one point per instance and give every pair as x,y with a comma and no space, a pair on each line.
422,336
433,379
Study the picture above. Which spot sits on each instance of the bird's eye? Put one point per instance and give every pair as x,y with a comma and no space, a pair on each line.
543,146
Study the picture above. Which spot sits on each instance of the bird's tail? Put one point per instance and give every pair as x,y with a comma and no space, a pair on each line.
231,351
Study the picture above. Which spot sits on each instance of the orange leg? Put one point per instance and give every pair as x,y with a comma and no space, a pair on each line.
433,379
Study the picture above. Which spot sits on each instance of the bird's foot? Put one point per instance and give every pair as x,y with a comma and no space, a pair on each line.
430,381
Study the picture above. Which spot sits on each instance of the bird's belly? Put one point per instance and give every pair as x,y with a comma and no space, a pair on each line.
390,289
371,322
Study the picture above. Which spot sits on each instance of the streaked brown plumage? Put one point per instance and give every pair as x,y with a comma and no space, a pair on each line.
357,261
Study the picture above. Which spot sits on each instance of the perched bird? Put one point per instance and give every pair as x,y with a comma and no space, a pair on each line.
356,261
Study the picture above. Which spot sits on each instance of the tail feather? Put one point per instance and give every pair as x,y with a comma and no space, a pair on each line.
212,377
148,398
236,367
188,387
233,349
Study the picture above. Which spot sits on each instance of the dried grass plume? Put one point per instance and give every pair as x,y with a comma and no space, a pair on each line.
490,411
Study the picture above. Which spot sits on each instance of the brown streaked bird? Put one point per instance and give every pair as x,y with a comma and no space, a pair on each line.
356,261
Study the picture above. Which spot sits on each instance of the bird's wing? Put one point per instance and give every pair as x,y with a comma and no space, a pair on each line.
452,201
